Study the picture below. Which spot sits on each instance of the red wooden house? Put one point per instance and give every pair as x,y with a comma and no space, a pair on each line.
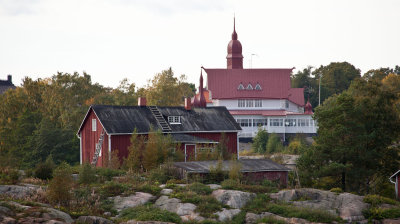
108,128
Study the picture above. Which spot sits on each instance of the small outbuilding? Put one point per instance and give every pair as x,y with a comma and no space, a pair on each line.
395,180
255,170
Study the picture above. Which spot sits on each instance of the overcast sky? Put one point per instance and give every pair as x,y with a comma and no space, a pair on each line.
135,39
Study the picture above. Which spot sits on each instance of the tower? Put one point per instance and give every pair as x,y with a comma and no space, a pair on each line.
234,58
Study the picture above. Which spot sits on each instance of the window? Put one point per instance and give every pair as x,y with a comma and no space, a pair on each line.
249,103
287,104
290,122
258,103
174,119
241,103
303,122
276,122
94,125
258,87
240,87
260,122
244,122
249,87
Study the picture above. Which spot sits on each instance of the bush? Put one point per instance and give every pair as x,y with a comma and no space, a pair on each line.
376,200
216,174
274,144
149,213
200,188
270,220
87,174
111,188
380,213
9,175
187,197
151,189
59,187
230,184
260,141
44,170
106,174
337,190
207,206
234,171
258,204
239,218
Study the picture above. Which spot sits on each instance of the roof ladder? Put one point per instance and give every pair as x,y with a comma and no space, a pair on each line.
160,119
98,148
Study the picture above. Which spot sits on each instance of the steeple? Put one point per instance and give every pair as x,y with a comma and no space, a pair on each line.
234,57
200,100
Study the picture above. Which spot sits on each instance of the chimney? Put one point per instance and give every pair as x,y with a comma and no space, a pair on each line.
9,78
188,103
142,101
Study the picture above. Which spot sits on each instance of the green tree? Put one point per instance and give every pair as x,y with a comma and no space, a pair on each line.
260,141
274,143
305,79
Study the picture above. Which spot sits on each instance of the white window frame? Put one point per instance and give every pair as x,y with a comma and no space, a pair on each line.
303,122
246,122
94,125
249,87
249,103
257,103
290,122
276,122
258,87
174,119
241,103
240,87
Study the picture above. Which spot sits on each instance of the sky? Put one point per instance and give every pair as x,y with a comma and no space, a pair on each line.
136,39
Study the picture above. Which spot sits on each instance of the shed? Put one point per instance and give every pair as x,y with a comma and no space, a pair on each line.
253,169
395,180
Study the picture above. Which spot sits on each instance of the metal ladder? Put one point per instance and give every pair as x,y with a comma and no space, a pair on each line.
160,119
99,145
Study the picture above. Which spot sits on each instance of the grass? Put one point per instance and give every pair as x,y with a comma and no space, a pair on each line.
149,213
235,185
258,204
270,220
376,200
208,205
200,188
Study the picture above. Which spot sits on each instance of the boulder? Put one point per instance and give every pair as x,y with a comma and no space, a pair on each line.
145,222
6,211
18,205
93,220
166,191
184,210
391,221
252,218
348,206
214,186
234,199
227,214
7,220
51,213
139,198
16,191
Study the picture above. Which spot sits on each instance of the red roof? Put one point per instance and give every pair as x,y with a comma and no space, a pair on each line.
275,84
264,112
206,95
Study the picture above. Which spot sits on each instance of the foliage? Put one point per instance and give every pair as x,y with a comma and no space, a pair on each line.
44,170
207,206
274,144
87,174
148,188
229,184
167,171
106,174
234,171
59,187
336,190
258,204
149,213
239,218
380,213
216,174
376,200
260,141
112,188
200,188
222,147
270,220
8,175
187,197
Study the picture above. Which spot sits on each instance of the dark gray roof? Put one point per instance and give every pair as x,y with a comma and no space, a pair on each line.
190,138
5,85
247,165
125,119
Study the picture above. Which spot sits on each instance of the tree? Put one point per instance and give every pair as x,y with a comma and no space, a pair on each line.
260,141
274,143
305,79
381,73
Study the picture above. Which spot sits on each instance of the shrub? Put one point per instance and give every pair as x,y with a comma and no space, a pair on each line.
187,197
258,204
207,206
240,218
260,141
234,171
376,200
200,188
337,190
112,188
380,213
106,174
270,220
59,187
87,174
274,144
216,174
9,175
151,189
44,170
149,213
230,184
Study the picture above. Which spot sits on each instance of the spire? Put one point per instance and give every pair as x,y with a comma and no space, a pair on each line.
234,57
200,100
234,34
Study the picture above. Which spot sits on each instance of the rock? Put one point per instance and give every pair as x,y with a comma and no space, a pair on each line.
348,206
181,185
252,218
6,211
16,191
162,186
145,222
93,220
235,199
29,220
54,222
139,198
75,176
7,220
214,186
107,214
391,221
51,213
227,214
166,191
184,210
18,205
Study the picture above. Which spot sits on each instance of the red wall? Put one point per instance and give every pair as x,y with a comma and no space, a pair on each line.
231,136
269,175
121,143
89,139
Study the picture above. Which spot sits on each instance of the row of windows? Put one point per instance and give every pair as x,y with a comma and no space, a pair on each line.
174,119
249,87
249,103
276,122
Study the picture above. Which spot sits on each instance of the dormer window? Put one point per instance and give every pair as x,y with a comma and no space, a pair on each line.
258,87
240,87
174,119
249,87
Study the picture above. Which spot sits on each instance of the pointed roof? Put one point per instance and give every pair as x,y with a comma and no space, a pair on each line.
234,57
200,100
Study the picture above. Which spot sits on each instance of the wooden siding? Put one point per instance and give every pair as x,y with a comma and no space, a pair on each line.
120,143
216,136
282,176
90,138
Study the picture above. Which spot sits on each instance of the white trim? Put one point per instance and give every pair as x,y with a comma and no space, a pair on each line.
80,149
179,132
97,117
237,145
109,147
194,151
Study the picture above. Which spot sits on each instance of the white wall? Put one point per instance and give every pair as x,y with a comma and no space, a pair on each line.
267,104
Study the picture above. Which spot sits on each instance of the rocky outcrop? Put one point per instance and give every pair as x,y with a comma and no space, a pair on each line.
166,191
234,199
226,214
139,198
93,220
184,210
252,218
214,186
54,214
348,206
19,192
145,222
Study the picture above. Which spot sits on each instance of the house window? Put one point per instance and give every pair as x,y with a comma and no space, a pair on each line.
94,125
290,122
249,103
276,122
241,103
287,104
260,122
249,87
258,103
258,87
244,122
240,87
303,122
174,119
